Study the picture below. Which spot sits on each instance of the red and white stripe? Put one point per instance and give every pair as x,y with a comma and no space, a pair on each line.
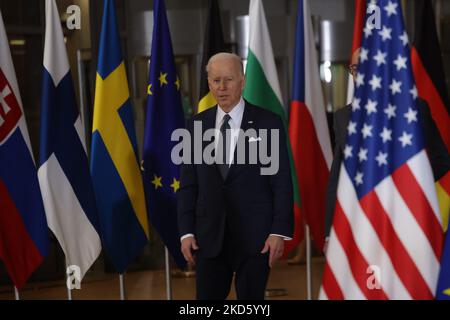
395,227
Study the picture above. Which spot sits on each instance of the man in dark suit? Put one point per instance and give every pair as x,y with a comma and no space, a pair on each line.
233,219
436,149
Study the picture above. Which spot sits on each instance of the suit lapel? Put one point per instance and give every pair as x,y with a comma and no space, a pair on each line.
210,123
210,119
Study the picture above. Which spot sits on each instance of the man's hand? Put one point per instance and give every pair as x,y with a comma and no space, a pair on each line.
187,245
275,245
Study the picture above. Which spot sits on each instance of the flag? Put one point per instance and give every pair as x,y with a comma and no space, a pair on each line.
63,172
443,194
212,44
23,227
164,115
263,89
443,288
115,171
428,68
308,128
358,26
386,239
430,81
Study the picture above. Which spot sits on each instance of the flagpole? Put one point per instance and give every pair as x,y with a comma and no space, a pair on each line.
82,95
69,292
16,293
308,263
68,283
168,278
122,285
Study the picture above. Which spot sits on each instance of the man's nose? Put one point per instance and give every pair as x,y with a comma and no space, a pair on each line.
222,85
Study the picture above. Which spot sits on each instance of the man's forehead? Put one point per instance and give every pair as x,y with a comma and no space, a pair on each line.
218,63
224,71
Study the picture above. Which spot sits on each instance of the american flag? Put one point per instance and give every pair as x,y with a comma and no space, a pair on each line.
387,237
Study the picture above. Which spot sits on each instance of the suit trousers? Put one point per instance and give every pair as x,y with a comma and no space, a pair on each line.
214,275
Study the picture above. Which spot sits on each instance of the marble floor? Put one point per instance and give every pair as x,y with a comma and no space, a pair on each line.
286,282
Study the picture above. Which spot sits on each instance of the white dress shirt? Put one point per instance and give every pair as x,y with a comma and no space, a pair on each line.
235,124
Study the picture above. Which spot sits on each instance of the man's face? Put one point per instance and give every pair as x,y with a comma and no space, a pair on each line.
225,82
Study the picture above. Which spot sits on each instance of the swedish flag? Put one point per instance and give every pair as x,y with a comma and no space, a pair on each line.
115,170
164,115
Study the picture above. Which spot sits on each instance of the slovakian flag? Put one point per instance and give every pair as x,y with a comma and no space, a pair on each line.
116,174
430,82
164,115
386,240
23,227
358,26
64,174
308,129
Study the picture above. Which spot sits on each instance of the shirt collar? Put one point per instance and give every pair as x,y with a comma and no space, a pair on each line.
236,114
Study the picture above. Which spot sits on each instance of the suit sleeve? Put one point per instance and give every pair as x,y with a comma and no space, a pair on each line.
436,149
333,179
187,194
282,189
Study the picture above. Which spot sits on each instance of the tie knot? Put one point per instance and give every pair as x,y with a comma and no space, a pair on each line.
225,125
226,118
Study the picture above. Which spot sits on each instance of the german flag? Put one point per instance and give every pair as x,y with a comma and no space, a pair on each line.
213,44
430,81
428,68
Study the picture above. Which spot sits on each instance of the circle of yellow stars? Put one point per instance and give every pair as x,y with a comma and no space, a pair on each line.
157,179
163,81
158,184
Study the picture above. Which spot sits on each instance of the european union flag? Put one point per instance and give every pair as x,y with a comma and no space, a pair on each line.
443,288
164,115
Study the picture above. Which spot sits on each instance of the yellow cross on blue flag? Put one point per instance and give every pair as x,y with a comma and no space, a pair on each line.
116,174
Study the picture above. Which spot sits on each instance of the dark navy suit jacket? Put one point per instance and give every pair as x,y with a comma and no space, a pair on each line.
250,206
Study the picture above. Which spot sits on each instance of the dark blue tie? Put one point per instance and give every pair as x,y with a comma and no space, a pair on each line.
224,165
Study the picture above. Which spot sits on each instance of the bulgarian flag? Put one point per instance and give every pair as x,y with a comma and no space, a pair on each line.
263,89
430,81
308,128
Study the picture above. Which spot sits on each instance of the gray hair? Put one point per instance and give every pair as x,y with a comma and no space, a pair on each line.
226,56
